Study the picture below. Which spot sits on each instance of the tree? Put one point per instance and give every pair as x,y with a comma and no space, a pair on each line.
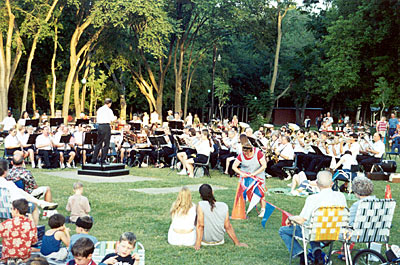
222,91
39,23
10,54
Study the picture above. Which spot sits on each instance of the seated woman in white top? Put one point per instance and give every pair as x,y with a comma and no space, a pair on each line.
182,231
204,149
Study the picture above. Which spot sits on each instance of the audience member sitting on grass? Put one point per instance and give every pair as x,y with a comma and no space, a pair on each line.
124,256
19,172
303,185
17,193
182,231
213,221
362,188
82,251
19,233
326,197
83,226
77,204
51,243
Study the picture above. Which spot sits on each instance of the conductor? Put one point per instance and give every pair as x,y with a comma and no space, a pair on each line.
104,117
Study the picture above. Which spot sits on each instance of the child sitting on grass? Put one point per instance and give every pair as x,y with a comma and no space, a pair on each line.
126,245
18,233
82,251
51,243
83,226
77,204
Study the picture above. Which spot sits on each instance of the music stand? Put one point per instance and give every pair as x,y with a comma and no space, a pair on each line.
89,138
253,142
176,132
81,121
158,133
317,150
135,126
32,138
55,122
175,125
34,123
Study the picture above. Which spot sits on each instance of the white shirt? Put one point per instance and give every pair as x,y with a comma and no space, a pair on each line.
15,192
298,148
326,197
145,120
154,117
105,115
78,138
203,148
286,151
8,122
347,161
189,120
43,140
11,141
57,139
378,146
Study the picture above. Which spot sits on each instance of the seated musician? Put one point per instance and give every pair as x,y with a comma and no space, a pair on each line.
116,140
163,151
204,148
24,137
187,151
351,145
142,148
372,154
285,154
44,146
64,149
230,142
128,138
249,132
12,143
252,164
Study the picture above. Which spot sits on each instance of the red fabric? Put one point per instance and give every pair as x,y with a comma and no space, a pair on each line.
285,216
381,126
18,234
260,155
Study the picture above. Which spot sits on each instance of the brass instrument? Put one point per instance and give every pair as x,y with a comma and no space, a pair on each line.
129,137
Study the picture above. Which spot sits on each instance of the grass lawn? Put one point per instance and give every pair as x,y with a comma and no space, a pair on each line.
116,209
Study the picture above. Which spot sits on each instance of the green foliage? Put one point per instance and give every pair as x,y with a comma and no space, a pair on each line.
222,91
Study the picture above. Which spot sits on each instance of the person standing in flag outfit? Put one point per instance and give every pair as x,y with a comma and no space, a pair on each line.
252,175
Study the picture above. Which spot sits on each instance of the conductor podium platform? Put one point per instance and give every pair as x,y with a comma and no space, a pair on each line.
110,170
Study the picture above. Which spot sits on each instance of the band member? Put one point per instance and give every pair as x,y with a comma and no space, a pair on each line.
64,149
44,144
23,138
373,154
285,155
104,118
204,149
12,143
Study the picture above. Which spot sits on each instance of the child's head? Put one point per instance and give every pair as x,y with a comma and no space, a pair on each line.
83,224
56,221
78,188
37,261
82,251
127,243
21,206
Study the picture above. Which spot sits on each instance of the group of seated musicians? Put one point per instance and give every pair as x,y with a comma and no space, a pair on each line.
138,145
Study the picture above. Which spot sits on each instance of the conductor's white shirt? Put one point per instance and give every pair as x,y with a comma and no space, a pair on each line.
105,115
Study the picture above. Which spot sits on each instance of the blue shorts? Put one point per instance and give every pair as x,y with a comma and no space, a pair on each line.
31,207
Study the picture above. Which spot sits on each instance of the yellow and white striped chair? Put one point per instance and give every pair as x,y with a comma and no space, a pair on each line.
326,224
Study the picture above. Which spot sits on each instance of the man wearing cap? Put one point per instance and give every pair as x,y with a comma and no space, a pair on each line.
104,117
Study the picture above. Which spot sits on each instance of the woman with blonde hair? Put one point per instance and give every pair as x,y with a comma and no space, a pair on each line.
182,231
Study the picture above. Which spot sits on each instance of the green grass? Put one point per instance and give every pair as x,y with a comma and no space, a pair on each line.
116,209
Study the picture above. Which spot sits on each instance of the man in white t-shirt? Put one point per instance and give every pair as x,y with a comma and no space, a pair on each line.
326,197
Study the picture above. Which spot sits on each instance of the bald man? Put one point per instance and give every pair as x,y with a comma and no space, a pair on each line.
326,197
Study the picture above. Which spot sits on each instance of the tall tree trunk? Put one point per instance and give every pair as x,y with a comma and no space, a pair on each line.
77,100
7,70
32,56
73,60
178,68
276,61
33,96
91,101
83,96
53,73
123,107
